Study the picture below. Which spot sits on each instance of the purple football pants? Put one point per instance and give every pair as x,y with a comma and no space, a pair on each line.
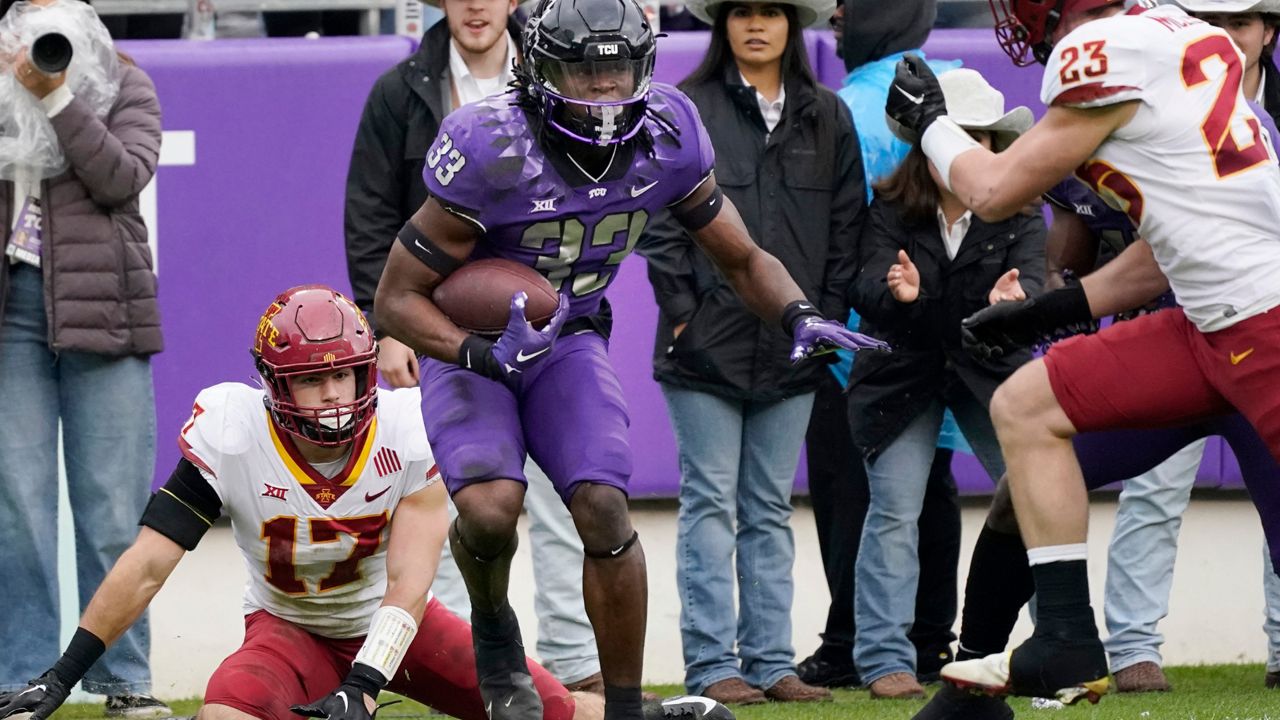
567,412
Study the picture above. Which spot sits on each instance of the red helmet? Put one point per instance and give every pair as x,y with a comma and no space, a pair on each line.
310,329
1024,27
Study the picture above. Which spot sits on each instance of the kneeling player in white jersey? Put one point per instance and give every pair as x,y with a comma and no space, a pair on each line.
338,508
1145,106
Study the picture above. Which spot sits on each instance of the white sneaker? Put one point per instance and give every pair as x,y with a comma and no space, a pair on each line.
988,675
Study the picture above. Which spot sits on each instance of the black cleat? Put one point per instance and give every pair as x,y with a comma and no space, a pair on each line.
687,707
1066,670
815,671
506,685
952,703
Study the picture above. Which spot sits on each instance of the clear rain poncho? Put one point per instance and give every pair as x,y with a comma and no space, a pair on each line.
28,144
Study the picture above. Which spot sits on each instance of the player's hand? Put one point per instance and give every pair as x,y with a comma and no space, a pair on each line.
348,702
397,363
1005,327
915,98
1007,288
815,336
904,279
521,347
40,698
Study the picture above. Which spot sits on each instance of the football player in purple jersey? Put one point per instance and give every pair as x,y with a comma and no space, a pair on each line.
562,174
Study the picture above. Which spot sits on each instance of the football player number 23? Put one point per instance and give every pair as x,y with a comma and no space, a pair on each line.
1228,157
281,536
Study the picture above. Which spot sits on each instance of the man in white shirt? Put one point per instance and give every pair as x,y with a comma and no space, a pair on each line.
462,58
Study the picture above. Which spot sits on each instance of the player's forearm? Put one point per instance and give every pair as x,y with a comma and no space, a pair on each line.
984,182
415,321
1130,281
765,286
130,586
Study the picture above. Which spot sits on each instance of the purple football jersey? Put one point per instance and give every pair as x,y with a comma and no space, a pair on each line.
487,166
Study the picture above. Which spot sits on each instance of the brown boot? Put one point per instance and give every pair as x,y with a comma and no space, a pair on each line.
793,689
896,686
1140,677
734,691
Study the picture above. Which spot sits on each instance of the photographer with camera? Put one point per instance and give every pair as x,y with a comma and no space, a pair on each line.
78,323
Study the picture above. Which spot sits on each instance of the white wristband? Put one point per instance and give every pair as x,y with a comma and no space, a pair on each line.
390,632
943,142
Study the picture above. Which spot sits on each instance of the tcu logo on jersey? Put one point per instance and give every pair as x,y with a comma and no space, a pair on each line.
597,192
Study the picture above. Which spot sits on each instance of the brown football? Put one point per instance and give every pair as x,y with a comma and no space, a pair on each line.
477,296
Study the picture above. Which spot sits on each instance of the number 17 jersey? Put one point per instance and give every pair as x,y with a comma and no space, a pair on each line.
315,547
1193,168
535,206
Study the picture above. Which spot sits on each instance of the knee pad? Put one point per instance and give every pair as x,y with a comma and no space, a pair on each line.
462,549
613,552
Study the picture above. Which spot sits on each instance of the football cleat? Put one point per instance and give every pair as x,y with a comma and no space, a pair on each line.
688,707
1067,671
952,703
506,686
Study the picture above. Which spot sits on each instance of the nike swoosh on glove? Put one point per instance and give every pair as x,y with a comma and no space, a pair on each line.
40,698
915,98
814,336
521,347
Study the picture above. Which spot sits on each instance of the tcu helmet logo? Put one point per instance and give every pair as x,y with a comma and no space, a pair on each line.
610,49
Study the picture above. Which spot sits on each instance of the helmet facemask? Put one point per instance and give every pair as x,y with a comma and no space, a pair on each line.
309,330
600,102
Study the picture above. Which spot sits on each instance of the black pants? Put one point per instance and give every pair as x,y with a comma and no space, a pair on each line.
838,488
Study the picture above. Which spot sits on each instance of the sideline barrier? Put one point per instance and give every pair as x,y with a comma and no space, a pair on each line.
248,201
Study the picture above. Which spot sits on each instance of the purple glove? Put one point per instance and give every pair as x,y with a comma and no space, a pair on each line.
519,348
815,336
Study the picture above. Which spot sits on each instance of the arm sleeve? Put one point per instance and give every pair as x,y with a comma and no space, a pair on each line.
114,157
372,211
848,214
869,292
666,248
184,508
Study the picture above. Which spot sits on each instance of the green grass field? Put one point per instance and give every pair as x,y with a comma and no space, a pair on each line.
1212,692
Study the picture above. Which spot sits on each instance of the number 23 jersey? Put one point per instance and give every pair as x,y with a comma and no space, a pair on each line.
1193,168
315,547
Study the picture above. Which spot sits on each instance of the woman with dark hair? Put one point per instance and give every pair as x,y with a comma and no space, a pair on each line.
78,324
787,155
927,263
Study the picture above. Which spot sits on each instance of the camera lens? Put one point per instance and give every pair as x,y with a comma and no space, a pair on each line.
51,53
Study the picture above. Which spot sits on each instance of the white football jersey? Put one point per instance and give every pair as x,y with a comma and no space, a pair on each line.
316,548
1194,168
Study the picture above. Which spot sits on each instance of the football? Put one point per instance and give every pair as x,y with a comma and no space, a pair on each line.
477,296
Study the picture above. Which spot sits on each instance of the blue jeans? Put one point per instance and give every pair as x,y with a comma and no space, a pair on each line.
737,467
888,567
107,409
1140,562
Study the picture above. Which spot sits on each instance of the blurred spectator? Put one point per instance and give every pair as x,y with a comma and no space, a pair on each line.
926,263
325,23
463,58
876,36
78,323
787,155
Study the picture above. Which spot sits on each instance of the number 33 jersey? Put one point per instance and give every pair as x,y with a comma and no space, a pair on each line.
315,547
1193,168
534,205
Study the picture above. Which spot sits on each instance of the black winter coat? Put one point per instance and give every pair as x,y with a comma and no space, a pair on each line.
889,390
384,180
802,196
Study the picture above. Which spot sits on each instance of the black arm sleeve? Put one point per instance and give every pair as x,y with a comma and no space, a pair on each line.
185,508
